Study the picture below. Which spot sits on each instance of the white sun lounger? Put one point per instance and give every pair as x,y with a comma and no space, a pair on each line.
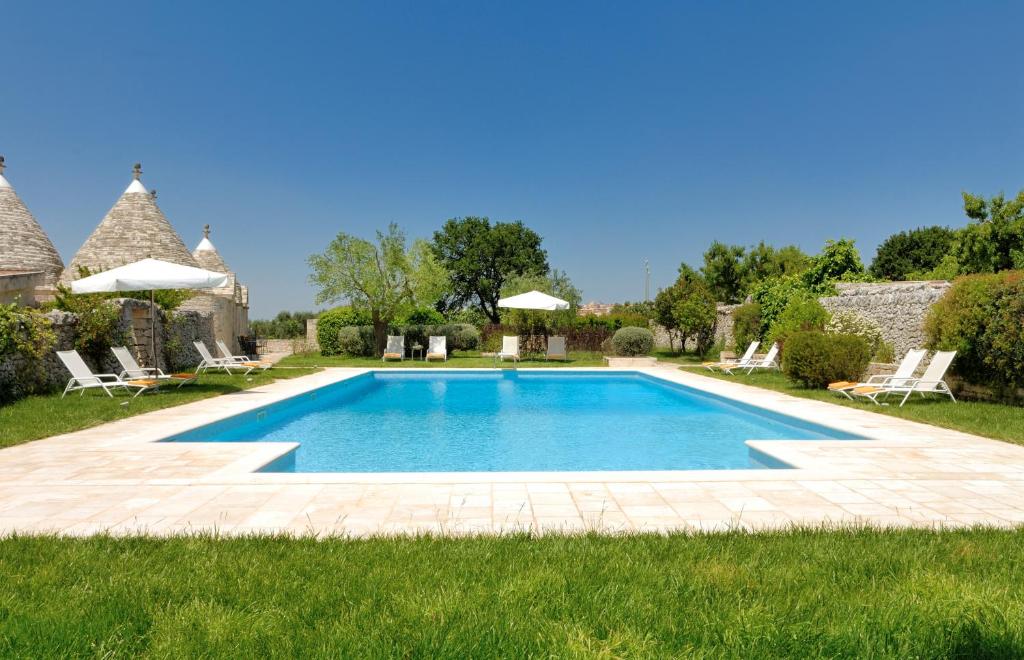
82,378
904,371
226,353
227,364
931,382
395,349
769,361
437,347
509,348
556,349
748,355
131,370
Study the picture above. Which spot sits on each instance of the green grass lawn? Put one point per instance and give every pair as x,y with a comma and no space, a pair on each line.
42,416
787,594
456,360
993,420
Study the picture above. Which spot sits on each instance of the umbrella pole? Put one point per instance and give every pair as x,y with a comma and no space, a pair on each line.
152,327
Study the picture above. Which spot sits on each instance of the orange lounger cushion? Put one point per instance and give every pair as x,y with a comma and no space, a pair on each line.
842,385
867,390
144,383
392,355
185,376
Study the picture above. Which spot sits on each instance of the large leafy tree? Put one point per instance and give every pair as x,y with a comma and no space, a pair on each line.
764,261
723,271
687,309
384,278
837,261
557,284
995,241
481,257
914,251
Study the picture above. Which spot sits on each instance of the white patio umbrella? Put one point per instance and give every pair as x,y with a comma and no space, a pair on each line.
149,274
533,300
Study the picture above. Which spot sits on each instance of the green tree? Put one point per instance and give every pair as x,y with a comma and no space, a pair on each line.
481,257
724,272
764,261
385,278
914,251
695,313
995,241
837,261
528,321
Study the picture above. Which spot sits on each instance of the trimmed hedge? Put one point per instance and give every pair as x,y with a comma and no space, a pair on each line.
633,341
358,341
981,317
330,324
816,359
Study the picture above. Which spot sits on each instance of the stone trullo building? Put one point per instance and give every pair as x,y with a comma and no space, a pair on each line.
135,228
229,304
29,264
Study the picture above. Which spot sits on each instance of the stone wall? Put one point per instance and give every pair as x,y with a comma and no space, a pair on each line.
174,344
899,308
229,317
723,330
312,343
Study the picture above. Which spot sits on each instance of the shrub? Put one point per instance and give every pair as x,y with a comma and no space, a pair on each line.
773,295
28,333
332,321
633,341
356,341
845,322
981,317
816,359
802,313
422,316
746,324
99,322
885,353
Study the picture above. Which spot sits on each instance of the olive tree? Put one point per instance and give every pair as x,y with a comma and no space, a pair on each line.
384,278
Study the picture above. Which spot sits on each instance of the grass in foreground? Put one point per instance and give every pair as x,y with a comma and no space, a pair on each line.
992,420
791,594
455,361
38,417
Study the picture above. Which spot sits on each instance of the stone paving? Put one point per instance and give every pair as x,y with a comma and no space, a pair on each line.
115,478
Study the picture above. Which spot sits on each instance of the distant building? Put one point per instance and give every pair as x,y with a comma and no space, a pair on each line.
595,309
29,264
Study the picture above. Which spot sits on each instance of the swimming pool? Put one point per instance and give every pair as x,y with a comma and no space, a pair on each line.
509,421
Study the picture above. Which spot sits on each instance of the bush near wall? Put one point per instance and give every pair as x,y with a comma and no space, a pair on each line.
816,359
585,337
358,341
981,317
803,313
630,342
332,321
746,325
26,338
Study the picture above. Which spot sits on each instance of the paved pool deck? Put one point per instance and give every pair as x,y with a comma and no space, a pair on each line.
117,478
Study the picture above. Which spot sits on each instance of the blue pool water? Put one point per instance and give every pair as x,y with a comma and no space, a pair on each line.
429,421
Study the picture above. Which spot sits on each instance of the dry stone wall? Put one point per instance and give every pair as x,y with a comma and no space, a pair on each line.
19,377
899,308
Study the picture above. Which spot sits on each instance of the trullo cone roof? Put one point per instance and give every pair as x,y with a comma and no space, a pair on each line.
134,229
24,246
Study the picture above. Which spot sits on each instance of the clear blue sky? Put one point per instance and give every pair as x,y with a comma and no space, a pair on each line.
618,131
